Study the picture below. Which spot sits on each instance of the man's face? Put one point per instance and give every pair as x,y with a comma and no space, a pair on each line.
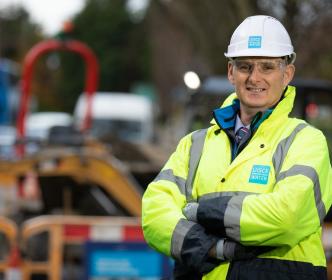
259,81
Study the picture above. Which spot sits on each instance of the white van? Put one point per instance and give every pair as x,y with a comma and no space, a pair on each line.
126,116
38,124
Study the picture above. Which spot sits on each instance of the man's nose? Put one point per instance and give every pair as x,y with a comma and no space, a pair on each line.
254,74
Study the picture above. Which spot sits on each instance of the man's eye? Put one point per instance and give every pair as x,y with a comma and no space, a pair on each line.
244,67
267,66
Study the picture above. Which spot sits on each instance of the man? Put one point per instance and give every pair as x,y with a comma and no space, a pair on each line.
246,198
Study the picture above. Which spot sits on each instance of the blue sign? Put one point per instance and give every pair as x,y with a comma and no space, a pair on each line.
255,42
130,260
259,174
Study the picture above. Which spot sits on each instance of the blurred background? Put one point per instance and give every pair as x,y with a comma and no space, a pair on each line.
147,46
161,73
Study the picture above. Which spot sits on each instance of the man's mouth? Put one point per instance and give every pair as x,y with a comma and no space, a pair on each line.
256,90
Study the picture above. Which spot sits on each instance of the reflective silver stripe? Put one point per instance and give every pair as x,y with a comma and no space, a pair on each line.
168,175
311,173
232,217
233,211
220,250
179,233
283,147
197,143
220,194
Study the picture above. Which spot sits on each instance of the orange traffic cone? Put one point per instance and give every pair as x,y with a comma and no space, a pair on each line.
13,271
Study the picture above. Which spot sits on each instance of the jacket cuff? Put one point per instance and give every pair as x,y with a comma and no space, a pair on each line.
181,230
221,215
211,213
191,244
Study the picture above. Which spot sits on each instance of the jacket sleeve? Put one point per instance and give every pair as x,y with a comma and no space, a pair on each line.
165,228
294,210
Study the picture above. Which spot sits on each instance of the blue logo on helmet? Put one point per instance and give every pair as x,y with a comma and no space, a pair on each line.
259,174
255,42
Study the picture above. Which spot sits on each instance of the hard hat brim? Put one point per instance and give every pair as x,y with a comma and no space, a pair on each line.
261,54
255,53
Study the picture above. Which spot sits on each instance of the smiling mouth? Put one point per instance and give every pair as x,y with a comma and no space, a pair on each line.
255,90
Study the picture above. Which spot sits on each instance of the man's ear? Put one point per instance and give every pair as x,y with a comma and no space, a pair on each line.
230,72
289,74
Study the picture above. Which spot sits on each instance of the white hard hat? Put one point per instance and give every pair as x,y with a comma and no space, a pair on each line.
261,36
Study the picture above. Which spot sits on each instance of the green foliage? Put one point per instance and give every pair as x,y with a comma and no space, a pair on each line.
18,34
119,44
184,35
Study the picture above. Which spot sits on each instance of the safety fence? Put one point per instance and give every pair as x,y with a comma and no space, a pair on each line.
52,246
48,243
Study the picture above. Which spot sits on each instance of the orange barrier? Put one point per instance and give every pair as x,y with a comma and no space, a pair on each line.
9,229
64,230
69,230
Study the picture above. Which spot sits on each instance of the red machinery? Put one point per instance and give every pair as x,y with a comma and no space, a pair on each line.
92,73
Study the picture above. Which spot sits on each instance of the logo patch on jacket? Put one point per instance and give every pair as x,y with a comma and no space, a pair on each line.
259,174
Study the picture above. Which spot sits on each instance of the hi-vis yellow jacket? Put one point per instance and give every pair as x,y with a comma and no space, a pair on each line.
279,190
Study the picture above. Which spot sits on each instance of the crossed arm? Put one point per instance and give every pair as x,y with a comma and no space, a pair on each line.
226,228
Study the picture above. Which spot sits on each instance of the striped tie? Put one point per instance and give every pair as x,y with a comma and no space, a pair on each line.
242,135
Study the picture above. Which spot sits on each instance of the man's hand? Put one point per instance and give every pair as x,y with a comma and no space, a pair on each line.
190,211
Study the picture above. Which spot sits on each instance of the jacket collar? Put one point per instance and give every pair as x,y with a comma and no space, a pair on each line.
225,116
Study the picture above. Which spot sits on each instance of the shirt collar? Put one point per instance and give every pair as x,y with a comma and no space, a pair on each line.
239,124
